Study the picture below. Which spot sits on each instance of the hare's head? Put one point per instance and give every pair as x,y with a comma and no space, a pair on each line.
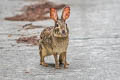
60,28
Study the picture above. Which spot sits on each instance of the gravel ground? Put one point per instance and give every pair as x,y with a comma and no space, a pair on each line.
94,49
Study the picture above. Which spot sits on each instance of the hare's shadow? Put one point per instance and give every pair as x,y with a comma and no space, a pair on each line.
52,65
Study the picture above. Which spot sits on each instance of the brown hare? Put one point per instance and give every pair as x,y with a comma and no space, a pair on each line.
54,40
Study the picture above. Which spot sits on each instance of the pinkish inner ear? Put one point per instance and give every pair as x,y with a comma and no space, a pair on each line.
53,14
66,13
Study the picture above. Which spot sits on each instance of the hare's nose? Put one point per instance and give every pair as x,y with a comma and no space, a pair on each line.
63,31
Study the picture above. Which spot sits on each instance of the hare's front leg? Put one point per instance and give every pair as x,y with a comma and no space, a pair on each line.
42,56
56,61
64,60
61,58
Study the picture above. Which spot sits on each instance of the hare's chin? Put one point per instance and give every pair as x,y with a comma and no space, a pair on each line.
60,36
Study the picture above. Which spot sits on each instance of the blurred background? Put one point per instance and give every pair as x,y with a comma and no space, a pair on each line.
94,46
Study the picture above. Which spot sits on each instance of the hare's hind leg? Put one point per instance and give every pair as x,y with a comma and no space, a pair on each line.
40,53
42,56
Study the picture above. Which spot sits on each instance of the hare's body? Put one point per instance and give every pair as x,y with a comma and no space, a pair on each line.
54,40
51,44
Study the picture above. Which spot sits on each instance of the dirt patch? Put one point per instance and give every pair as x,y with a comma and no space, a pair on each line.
29,40
35,12
31,26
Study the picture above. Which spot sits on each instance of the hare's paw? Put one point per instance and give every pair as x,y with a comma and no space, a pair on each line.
66,66
40,63
63,63
44,64
67,63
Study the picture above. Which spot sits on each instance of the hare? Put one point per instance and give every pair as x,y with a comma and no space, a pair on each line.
54,40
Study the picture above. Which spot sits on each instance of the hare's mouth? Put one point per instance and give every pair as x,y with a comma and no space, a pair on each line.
60,35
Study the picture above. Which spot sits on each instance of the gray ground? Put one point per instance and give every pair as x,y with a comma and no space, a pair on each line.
94,49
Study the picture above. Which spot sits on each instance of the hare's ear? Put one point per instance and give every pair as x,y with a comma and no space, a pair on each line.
66,13
53,14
